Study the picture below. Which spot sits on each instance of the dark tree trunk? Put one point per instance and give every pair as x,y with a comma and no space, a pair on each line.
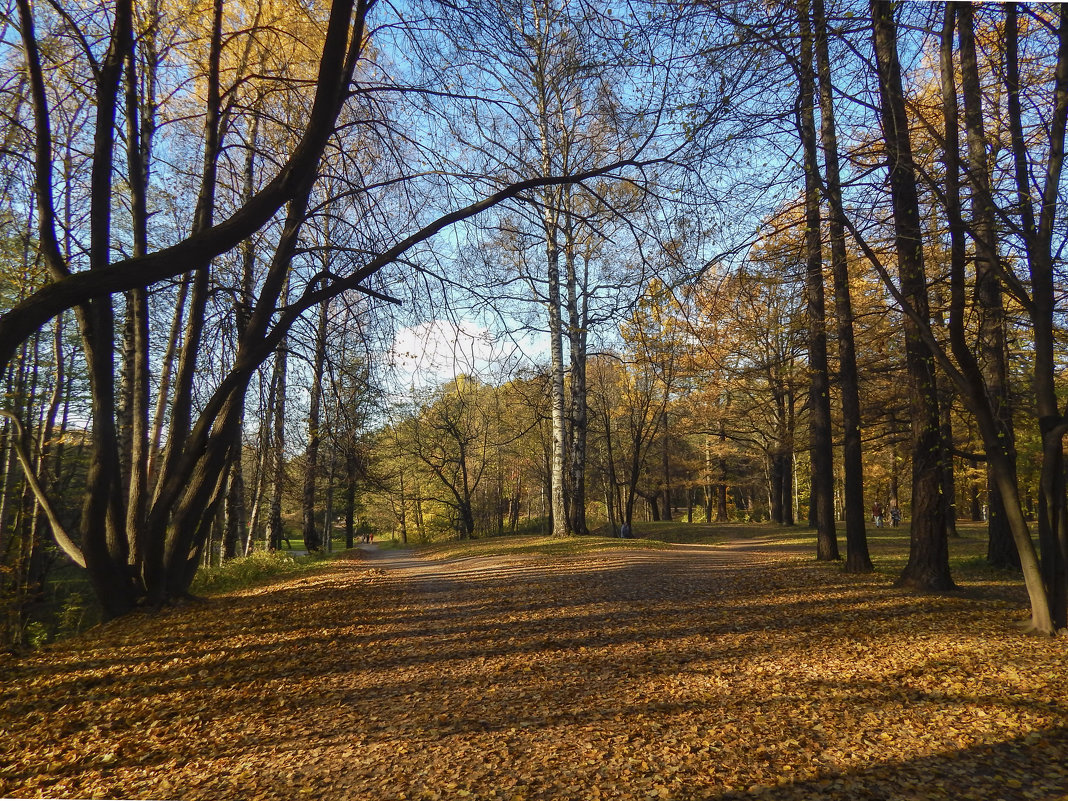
928,565
721,504
654,506
988,294
775,480
857,557
788,518
819,379
969,378
350,501
1038,237
579,406
311,454
275,526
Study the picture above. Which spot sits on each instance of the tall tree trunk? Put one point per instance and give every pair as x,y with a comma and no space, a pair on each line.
236,511
350,499
789,465
857,558
551,210
928,565
311,453
775,482
558,503
819,379
275,525
721,488
1038,237
166,372
611,484
157,571
579,412
104,542
970,380
989,304
666,464
139,154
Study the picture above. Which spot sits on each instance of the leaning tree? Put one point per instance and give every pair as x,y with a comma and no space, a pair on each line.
140,540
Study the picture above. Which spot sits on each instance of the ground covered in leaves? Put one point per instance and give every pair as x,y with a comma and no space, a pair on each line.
691,672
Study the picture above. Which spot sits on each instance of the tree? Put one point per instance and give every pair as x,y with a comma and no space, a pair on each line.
153,555
584,82
819,401
989,301
857,558
957,357
928,565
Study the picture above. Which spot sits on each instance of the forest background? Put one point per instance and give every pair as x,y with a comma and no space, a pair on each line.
735,261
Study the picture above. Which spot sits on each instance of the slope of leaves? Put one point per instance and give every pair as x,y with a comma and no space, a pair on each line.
696,672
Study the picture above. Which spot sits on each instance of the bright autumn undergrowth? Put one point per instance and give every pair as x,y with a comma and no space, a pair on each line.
257,567
745,670
261,567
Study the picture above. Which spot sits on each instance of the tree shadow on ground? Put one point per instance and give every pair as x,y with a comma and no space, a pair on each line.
633,673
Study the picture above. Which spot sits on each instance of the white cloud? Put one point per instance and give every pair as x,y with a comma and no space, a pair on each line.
439,350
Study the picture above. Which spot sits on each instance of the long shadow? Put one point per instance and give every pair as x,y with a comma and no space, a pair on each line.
558,623
456,624
1020,769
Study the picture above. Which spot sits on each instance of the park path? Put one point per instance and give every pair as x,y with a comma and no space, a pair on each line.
632,569
735,671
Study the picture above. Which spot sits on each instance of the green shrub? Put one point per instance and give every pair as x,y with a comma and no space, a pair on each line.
246,571
71,616
36,634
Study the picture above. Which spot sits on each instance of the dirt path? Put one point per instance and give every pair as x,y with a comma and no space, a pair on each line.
692,673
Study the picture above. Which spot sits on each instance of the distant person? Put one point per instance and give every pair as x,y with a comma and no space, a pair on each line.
624,531
895,513
877,514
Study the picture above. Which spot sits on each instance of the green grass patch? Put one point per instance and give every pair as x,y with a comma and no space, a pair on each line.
296,545
257,568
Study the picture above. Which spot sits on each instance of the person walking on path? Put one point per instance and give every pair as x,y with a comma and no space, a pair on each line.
877,514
